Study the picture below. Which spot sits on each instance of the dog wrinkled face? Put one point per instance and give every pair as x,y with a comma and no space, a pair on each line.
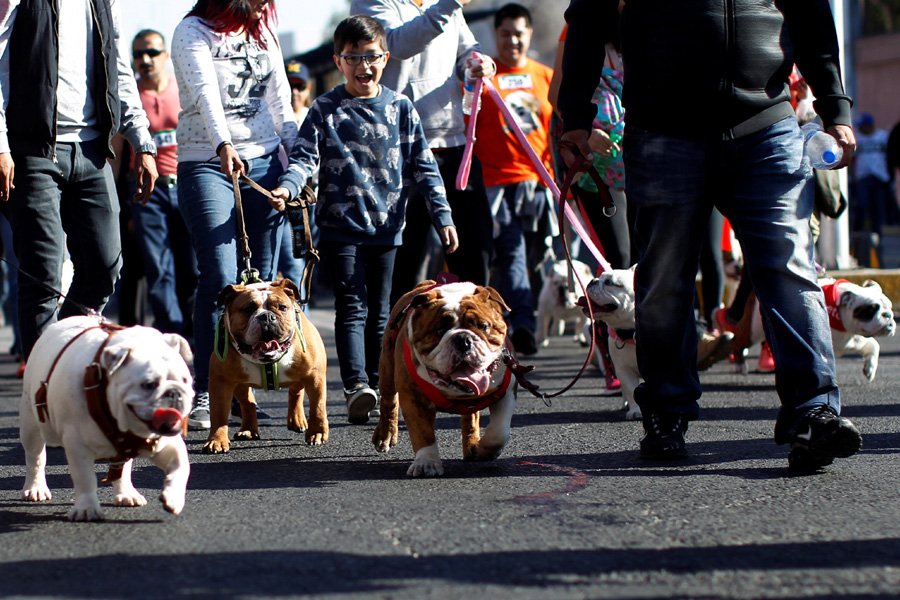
865,310
152,382
612,297
261,318
457,332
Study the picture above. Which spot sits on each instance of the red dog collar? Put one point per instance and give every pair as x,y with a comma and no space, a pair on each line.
831,304
461,406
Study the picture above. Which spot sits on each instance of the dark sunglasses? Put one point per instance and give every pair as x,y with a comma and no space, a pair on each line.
151,52
300,86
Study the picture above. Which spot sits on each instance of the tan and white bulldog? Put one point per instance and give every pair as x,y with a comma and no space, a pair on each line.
612,298
442,351
104,392
559,304
265,341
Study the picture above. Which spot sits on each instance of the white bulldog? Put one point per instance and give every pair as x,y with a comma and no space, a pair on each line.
558,304
612,298
148,393
857,315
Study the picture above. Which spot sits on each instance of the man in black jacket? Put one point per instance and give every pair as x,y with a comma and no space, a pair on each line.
66,91
709,123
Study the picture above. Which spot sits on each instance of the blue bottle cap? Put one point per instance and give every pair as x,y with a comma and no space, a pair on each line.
828,156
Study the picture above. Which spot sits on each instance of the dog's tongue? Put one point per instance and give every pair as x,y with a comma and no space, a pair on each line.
166,420
270,346
582,302
477,381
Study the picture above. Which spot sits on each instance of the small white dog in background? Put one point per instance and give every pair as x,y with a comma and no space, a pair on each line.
557,304
612,298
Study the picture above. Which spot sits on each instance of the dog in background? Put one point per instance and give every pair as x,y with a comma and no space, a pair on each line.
557,303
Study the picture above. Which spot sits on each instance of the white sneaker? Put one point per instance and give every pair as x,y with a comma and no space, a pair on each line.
360,400
199,417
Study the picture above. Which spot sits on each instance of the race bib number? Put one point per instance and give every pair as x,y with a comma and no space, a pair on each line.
165,139
520,81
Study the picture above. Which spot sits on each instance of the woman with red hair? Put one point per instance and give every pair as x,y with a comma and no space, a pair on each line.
236,116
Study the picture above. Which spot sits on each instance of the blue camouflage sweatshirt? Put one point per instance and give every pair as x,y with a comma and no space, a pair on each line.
370,151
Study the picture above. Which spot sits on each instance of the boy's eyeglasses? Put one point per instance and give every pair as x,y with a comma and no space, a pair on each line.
355,59
151,52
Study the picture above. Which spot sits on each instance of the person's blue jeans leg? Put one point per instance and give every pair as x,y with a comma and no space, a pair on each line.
68,203
206,200
767,204
667,183
361,280
10,303
510,271
152,233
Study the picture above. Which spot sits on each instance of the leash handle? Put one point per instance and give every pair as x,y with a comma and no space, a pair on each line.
462,177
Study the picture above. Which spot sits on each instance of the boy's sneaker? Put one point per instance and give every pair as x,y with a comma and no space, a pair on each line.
721,320
360,400
262,418
822,436
199,417
664,436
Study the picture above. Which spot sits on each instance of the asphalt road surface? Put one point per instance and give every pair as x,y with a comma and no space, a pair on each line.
567,511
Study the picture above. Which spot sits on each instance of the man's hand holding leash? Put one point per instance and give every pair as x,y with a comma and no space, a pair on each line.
7,170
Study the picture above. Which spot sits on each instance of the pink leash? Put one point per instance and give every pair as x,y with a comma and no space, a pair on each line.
462,178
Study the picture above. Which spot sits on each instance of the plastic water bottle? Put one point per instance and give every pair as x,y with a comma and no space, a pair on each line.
822,149
469,99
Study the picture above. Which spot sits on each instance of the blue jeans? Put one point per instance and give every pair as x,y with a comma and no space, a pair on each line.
510,272
169,263
758,183
70,203
361,279
207,204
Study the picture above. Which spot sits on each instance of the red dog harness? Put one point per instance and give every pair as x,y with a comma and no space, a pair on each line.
831,304
457,406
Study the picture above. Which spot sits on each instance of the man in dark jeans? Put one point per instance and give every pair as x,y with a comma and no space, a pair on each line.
726,137
54,142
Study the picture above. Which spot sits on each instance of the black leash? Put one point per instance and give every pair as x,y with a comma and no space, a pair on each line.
59,294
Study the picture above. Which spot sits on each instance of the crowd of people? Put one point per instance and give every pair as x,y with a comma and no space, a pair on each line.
384,150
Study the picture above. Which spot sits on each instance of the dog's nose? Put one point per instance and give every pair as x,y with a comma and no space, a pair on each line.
463,343
270,317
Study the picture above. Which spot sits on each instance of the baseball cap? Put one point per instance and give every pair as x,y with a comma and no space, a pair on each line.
297,70
865,119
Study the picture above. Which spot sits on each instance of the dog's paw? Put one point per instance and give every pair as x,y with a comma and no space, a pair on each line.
483,452
129,498
246,435
544,343
870,367
172,501
86,510
316,438
427,463
382,441
634,414
216,446
36,493
296,427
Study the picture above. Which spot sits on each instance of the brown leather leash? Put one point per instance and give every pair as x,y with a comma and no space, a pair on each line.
609,209
304,201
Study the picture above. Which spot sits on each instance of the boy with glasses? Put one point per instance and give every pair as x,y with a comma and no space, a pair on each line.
371,147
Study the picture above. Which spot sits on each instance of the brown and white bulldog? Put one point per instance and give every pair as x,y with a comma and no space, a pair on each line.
265,341
442,351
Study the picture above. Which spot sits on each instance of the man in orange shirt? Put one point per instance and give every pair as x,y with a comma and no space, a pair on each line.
519,200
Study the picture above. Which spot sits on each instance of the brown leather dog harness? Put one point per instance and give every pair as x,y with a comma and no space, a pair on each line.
126,444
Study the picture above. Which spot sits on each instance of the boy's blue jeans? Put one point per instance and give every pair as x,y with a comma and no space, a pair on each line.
759,183
361,279
206,200
68,203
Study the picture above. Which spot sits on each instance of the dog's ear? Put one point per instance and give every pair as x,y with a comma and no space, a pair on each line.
180,345
114,357
845,300
494,295
420,299
290,288
633,267
228,293
868,283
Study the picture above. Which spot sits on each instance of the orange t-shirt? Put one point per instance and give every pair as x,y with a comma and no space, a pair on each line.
524,91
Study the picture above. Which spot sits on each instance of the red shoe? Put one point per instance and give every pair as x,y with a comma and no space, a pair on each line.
21,372
766,362
613,385
722,323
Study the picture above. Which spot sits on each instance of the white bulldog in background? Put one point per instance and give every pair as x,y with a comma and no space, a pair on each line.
558,304
857,315
147,398
612,298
